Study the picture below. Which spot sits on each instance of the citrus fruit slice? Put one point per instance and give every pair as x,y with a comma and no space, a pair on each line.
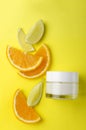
44,52
21,39
23,112
23,61
35,94
35,33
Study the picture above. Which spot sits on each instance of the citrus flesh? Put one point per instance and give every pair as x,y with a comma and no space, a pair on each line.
35,95
21,60
21,40
22,111
35,33
44,52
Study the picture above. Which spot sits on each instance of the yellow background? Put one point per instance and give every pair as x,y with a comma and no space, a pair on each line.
65,22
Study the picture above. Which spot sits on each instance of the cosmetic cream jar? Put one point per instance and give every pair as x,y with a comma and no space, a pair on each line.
62,85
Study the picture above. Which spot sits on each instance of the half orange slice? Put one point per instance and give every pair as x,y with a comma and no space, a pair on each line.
44,52
23,61
22,111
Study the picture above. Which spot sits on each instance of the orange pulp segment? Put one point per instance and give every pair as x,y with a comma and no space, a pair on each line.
22,111
21,60
44,52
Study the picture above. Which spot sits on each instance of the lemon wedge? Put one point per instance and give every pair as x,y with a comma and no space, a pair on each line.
35,33
35,94
21,39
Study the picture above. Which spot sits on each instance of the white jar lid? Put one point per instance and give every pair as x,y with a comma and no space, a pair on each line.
55,76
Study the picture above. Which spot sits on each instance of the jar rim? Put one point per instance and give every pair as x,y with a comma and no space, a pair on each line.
59,76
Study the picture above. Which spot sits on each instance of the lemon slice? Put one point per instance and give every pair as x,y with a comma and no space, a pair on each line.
35,94
35,33
21,39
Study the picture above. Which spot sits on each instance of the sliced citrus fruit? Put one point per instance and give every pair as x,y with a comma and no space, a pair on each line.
35,94
44,52
21,39
23,112
23,61
35,33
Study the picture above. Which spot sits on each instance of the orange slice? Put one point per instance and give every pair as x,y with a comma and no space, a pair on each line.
22,111
44,52
23,61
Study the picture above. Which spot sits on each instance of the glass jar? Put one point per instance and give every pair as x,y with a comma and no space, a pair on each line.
62,85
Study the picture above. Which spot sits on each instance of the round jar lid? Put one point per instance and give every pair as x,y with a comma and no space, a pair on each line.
55,76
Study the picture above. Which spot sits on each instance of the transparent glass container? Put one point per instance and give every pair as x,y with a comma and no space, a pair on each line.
62,85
